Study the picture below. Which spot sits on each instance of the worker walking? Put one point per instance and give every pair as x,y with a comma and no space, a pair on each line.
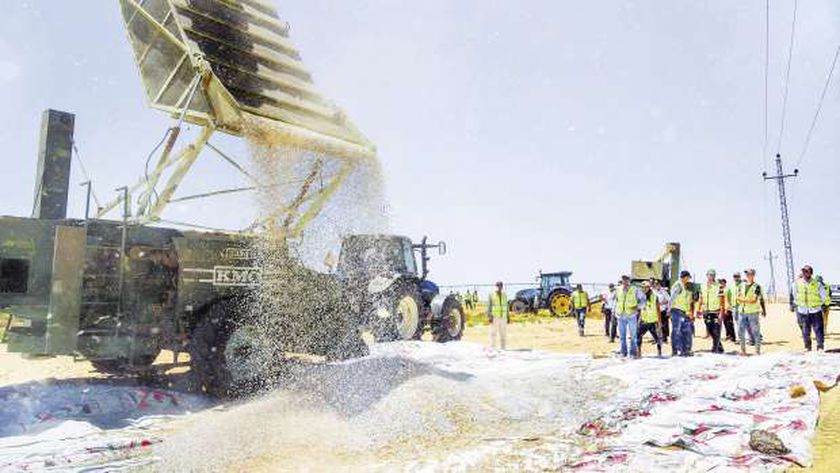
682,316
650,319
810,299
664,304
711,307
497,312
732,295
827,304
628,299
580,304
610,322
728,323
749,303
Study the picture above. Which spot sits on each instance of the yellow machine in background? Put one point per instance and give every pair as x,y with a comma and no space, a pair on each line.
665,268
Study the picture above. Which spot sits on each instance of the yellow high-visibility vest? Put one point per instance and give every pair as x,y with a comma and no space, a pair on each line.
748,291
808,294
711,297
683,299
732,295
626,301
499,304
649,312
580,299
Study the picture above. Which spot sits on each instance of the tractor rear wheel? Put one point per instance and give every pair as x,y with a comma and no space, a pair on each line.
396,316
560,304
518,306
224,357
450,326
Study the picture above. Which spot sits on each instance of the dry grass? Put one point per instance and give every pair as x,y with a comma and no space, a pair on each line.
478,316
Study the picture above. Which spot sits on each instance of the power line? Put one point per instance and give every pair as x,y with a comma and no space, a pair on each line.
766,74
819,107
787,75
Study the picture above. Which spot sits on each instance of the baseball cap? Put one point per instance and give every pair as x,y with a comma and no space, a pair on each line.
749,271
685,274
711,272
625,277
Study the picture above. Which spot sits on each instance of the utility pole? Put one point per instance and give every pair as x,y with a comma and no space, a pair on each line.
780,180
771,291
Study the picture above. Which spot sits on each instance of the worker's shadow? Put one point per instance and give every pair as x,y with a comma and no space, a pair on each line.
353,387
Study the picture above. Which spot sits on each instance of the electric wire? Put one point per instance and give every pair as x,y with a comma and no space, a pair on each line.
766,76
193,87
787,76
764,220
819,108
85,173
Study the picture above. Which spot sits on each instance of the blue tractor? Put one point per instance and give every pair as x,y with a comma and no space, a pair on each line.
383,278
554,293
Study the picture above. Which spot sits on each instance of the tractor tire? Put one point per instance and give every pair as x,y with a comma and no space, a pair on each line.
223,360
560,304
396,314
122,365
519,306
450,326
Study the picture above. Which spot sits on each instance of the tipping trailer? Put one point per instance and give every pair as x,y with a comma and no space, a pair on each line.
117,291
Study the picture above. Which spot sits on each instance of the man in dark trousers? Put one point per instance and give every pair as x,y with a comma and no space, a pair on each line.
728,324
650,319
810,299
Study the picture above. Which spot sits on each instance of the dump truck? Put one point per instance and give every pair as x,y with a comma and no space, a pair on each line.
117,291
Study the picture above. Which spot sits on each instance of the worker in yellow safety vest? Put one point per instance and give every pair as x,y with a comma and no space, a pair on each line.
497,312
711,305
728,322
650,319
827,304
682,316
749,303
810,299
628,300
580,304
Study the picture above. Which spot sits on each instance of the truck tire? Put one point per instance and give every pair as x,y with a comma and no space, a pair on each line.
518,306
450,326
396,314
123,365
560,304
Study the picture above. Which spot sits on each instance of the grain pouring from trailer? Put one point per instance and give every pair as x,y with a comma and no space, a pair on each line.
117,292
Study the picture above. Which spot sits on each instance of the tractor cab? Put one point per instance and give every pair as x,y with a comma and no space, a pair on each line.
553,293
364,257
551,281
383,277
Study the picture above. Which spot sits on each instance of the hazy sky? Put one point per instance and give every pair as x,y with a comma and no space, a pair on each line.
554,135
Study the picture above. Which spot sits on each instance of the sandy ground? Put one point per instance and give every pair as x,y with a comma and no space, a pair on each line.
779,330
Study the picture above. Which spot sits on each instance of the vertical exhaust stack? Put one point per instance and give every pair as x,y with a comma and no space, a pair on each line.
55,150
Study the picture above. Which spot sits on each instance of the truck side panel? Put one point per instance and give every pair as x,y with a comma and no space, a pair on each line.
65,294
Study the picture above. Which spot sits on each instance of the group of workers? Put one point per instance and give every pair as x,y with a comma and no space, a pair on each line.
631,311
